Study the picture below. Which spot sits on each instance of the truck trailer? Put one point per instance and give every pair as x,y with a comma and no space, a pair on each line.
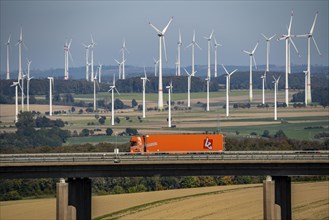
177,143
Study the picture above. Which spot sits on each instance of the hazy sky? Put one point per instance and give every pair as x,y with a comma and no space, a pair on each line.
237,24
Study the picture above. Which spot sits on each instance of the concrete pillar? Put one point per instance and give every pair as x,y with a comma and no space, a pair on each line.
61,200
80,197
283,196
268,198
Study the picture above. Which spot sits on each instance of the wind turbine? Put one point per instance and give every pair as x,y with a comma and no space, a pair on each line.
193,43
309,36
216,45
112,88
51,85
123,49
179,45
169,103
209,44
268,41
144,85
28,84
228,82
16,84
100,73
161,39
95,82
263,77
66,59
208,82
120,67
276,82
92,45
188,88
87,60
20,72
252,58
7,70
306,87
288,39
155,66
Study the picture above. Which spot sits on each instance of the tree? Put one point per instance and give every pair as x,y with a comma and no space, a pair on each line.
117,120
131,131
25,124
72,109
266,133
109,131
101,120
84,132
133,103
280,135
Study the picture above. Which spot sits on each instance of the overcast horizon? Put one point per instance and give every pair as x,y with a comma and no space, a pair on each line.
237,25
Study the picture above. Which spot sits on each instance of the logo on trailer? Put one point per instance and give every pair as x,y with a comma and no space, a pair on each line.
208,143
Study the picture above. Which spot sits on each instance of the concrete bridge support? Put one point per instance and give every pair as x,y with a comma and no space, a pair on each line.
277,198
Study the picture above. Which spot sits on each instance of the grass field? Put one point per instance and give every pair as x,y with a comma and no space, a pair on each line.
309,201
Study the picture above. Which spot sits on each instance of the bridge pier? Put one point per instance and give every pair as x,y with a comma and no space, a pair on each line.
79,196
277,198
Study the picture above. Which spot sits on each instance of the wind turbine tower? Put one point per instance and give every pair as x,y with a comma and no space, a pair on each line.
28,84
288,39
100,73
66,59
208,82
268,41
92,45
120,67
276,82
112,88
209,44
161,39
228,81
252,58
309,36
192,44
155,66
306,87
87,60
263,77
216,45
51,85
7,70
123,49
20,72
188,88
179,45
169,103
144,86
16,84
95,82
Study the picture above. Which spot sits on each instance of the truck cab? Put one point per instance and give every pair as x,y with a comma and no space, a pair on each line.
137,144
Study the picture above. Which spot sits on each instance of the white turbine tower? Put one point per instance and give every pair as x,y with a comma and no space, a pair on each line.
123,49
215,51
276,82
306,87
188,88
155,66
263,77
169,103
252,58
100,73
20,72
87,60
179,45
95,82
92,45
309,36
112,88
7,70
161,39
268,41
209,44
193,43
28,84
288,39
51,85
16,84
208,82
228,82
120,67
67,53
144,86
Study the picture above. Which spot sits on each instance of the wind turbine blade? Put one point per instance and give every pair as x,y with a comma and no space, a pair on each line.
189,45
264,36
316,46
165,29
272,37
198,45
117,61
156,29
179,37
253,58
225,69
233,71
165,50
8,42
145,73
117,90
289,28
210,37
187,72
68,47
193,40
247,52
71,58
253,51
154,60
302,35
294,46
312,28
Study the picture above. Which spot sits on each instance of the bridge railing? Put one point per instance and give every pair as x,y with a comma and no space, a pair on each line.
123,156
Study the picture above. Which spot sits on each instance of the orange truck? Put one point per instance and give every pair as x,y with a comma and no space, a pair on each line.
177,143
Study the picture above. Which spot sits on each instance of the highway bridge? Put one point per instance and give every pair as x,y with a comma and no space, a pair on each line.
78,168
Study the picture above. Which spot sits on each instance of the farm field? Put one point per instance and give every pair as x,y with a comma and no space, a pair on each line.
309,201
297,123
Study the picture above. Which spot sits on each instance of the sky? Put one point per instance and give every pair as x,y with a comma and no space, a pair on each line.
237,25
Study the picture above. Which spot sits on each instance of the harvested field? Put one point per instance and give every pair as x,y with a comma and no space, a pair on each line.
309,201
